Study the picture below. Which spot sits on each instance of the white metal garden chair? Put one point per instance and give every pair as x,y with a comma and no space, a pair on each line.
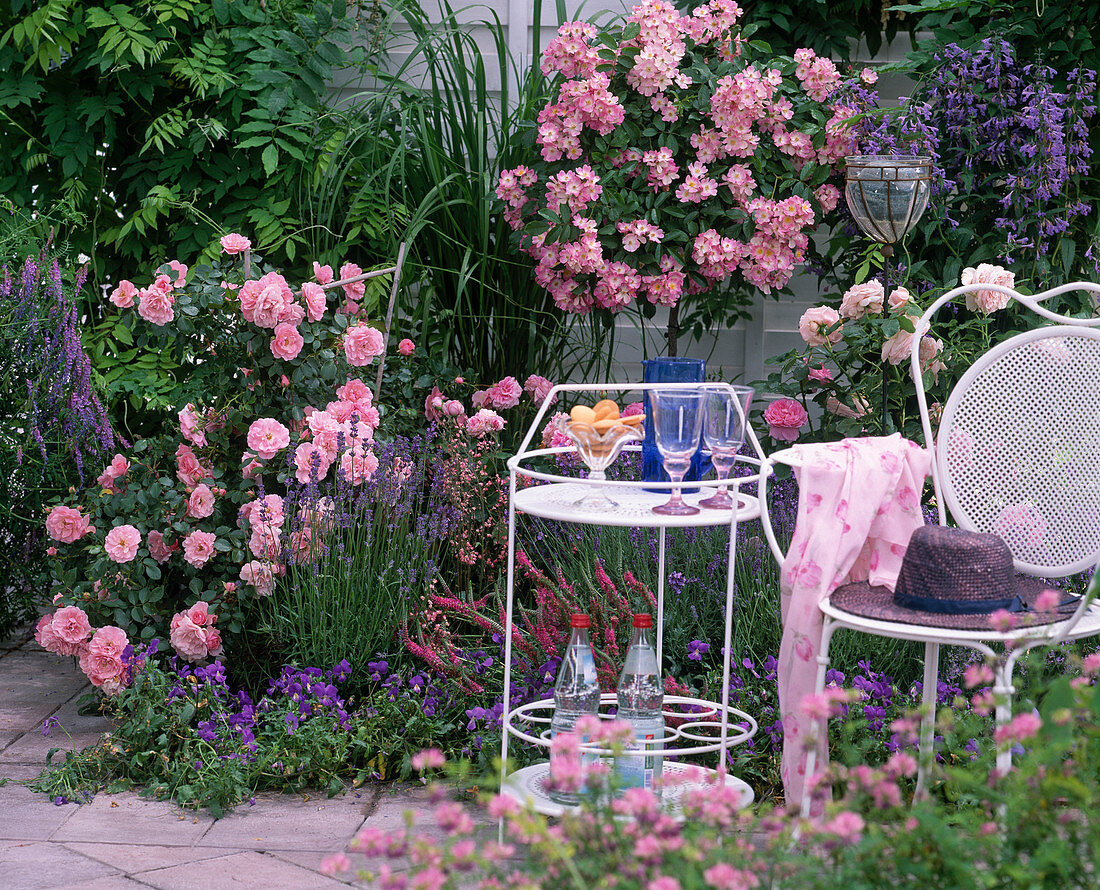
1020,429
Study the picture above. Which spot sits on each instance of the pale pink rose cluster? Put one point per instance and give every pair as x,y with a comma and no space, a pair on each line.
815,324
102,661
485,421
501,395
538,388
268,301
234,243
986,301
570,52
156,303
261,575
785,418
191,426
193,634
512,190
65,632
265,520
817,74
862,299
363,344
122,542
67,525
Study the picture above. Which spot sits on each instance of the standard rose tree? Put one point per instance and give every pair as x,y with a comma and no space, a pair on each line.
189,524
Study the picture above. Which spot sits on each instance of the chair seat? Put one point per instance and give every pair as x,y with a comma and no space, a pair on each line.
1089,625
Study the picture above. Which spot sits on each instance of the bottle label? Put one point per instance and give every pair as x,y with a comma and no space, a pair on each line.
635,771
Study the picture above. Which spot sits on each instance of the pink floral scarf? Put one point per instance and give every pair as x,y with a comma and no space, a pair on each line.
859,502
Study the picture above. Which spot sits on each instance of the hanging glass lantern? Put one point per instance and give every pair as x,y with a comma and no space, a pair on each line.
887,195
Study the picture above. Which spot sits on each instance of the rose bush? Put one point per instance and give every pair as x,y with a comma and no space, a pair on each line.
184,528
674,156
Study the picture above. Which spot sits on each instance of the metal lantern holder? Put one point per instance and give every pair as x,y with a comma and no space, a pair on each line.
887,196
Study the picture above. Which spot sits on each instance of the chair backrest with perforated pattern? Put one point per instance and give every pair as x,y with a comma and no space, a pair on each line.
1017,451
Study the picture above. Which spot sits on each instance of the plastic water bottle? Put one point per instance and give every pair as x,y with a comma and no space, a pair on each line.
641,700
577,691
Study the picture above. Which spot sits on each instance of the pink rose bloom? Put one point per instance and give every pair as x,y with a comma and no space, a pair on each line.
260,576
930,348
834,406
287,342
814,322
122,543
190,420
479,398
233,243
200,613
201,503
311,462
267,437
119,466
45,636
406,347
66,525
862,299
899,297
785,417
188,639
188,468
155,306
71,625
485,421
160,551
355,390
363,344
264,300
198,548
181,272
504,394
213,642
433,404
293,314
101,669
633,409
896,349
356,290
538,388
250,467
358,464
820,374
123,295
987,301
323,274
316,301
453,408
109,641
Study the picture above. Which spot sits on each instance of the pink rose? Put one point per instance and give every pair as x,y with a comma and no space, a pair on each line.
201,503
155,305
101,669
160,551
862,299
122,543
896,349
109,642
198,548
837,407
355,390
987,301
362,344
123,295
45,636
820,374
287,342
356,290
485,421
323,274
930,348
233,243
311,463
406,347
190,421
181,272
200,613
538,388
260,576
71,625
814,322
264,300
316,301
433,404
504,394
264,540
188,468
899,297
358,464
66,525
633,409
453,408
188,639
785,417
267,437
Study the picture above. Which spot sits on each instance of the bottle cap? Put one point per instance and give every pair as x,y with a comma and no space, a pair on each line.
579,621
643,620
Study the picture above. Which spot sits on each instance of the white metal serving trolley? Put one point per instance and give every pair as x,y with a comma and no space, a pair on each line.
553,496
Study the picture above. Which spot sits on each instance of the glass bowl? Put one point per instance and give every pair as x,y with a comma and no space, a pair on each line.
598,447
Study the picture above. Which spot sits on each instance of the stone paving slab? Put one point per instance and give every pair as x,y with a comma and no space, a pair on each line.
241,871
319,825
39,866
130,858
126,817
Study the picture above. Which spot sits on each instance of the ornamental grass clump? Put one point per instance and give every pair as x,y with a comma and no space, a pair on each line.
677,158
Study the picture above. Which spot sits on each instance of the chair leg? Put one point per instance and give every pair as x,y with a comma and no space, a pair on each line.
1004,690
928,718
823,726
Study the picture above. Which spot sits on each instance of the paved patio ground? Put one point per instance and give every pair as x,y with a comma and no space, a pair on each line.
125,841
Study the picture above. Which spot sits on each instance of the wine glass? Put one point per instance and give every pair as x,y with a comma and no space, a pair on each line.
724,425
677,423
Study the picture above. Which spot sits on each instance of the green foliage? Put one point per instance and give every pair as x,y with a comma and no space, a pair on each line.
149,120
